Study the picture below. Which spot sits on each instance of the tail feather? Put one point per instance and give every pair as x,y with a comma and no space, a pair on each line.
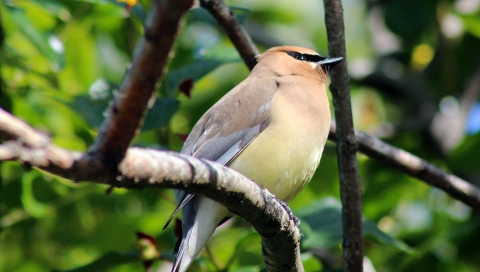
186,197
200,219
181,251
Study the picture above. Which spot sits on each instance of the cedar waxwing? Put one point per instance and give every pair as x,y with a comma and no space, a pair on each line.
271,127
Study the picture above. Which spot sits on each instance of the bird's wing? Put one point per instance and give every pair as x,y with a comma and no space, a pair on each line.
223,132
220,135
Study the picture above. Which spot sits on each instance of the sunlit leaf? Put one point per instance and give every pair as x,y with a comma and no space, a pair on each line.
30,203
48,45
472,24
195,70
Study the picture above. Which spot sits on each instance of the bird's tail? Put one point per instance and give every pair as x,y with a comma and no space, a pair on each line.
200,217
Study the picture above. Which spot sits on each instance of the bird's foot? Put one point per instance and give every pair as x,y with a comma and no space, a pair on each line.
289,212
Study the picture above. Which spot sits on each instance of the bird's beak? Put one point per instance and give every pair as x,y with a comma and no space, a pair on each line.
329,63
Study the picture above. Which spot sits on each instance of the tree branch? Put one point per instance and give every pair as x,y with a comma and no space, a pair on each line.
350,188
415,167
129,106
234,30
143,168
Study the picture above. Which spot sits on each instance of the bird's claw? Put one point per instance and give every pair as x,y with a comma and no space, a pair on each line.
289,212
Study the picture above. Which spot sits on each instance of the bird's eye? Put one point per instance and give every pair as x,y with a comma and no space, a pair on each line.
305,57
296,55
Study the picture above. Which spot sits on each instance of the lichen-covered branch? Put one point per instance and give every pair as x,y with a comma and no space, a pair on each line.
142,168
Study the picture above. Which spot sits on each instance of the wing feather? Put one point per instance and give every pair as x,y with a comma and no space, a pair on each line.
223,132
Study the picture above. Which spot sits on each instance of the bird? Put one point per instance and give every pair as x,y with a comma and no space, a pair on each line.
272,128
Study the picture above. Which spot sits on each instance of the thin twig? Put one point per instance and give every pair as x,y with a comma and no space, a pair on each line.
234,30
350,188
129,106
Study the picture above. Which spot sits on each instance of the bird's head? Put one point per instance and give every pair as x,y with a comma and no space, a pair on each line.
294,60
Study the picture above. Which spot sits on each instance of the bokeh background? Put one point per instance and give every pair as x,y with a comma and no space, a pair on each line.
415,74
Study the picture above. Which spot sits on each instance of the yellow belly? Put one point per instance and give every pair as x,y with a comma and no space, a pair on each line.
283,158
283,171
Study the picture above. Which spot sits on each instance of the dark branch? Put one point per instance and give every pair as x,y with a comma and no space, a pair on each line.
129,106
350,188
234,30
416,167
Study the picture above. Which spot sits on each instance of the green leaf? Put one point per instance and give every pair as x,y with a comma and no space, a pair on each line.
471,23
310,262
49,46
370,229
242,254
245,269
161,113
107,261
92,111
30,203
420,14
92,107
199,68
466,156
321,224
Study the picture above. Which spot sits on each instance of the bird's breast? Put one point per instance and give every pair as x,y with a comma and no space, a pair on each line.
285,155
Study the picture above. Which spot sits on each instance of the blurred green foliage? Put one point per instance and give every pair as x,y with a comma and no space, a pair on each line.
61,61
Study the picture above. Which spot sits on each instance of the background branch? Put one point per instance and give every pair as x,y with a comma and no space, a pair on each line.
237,34
415,167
